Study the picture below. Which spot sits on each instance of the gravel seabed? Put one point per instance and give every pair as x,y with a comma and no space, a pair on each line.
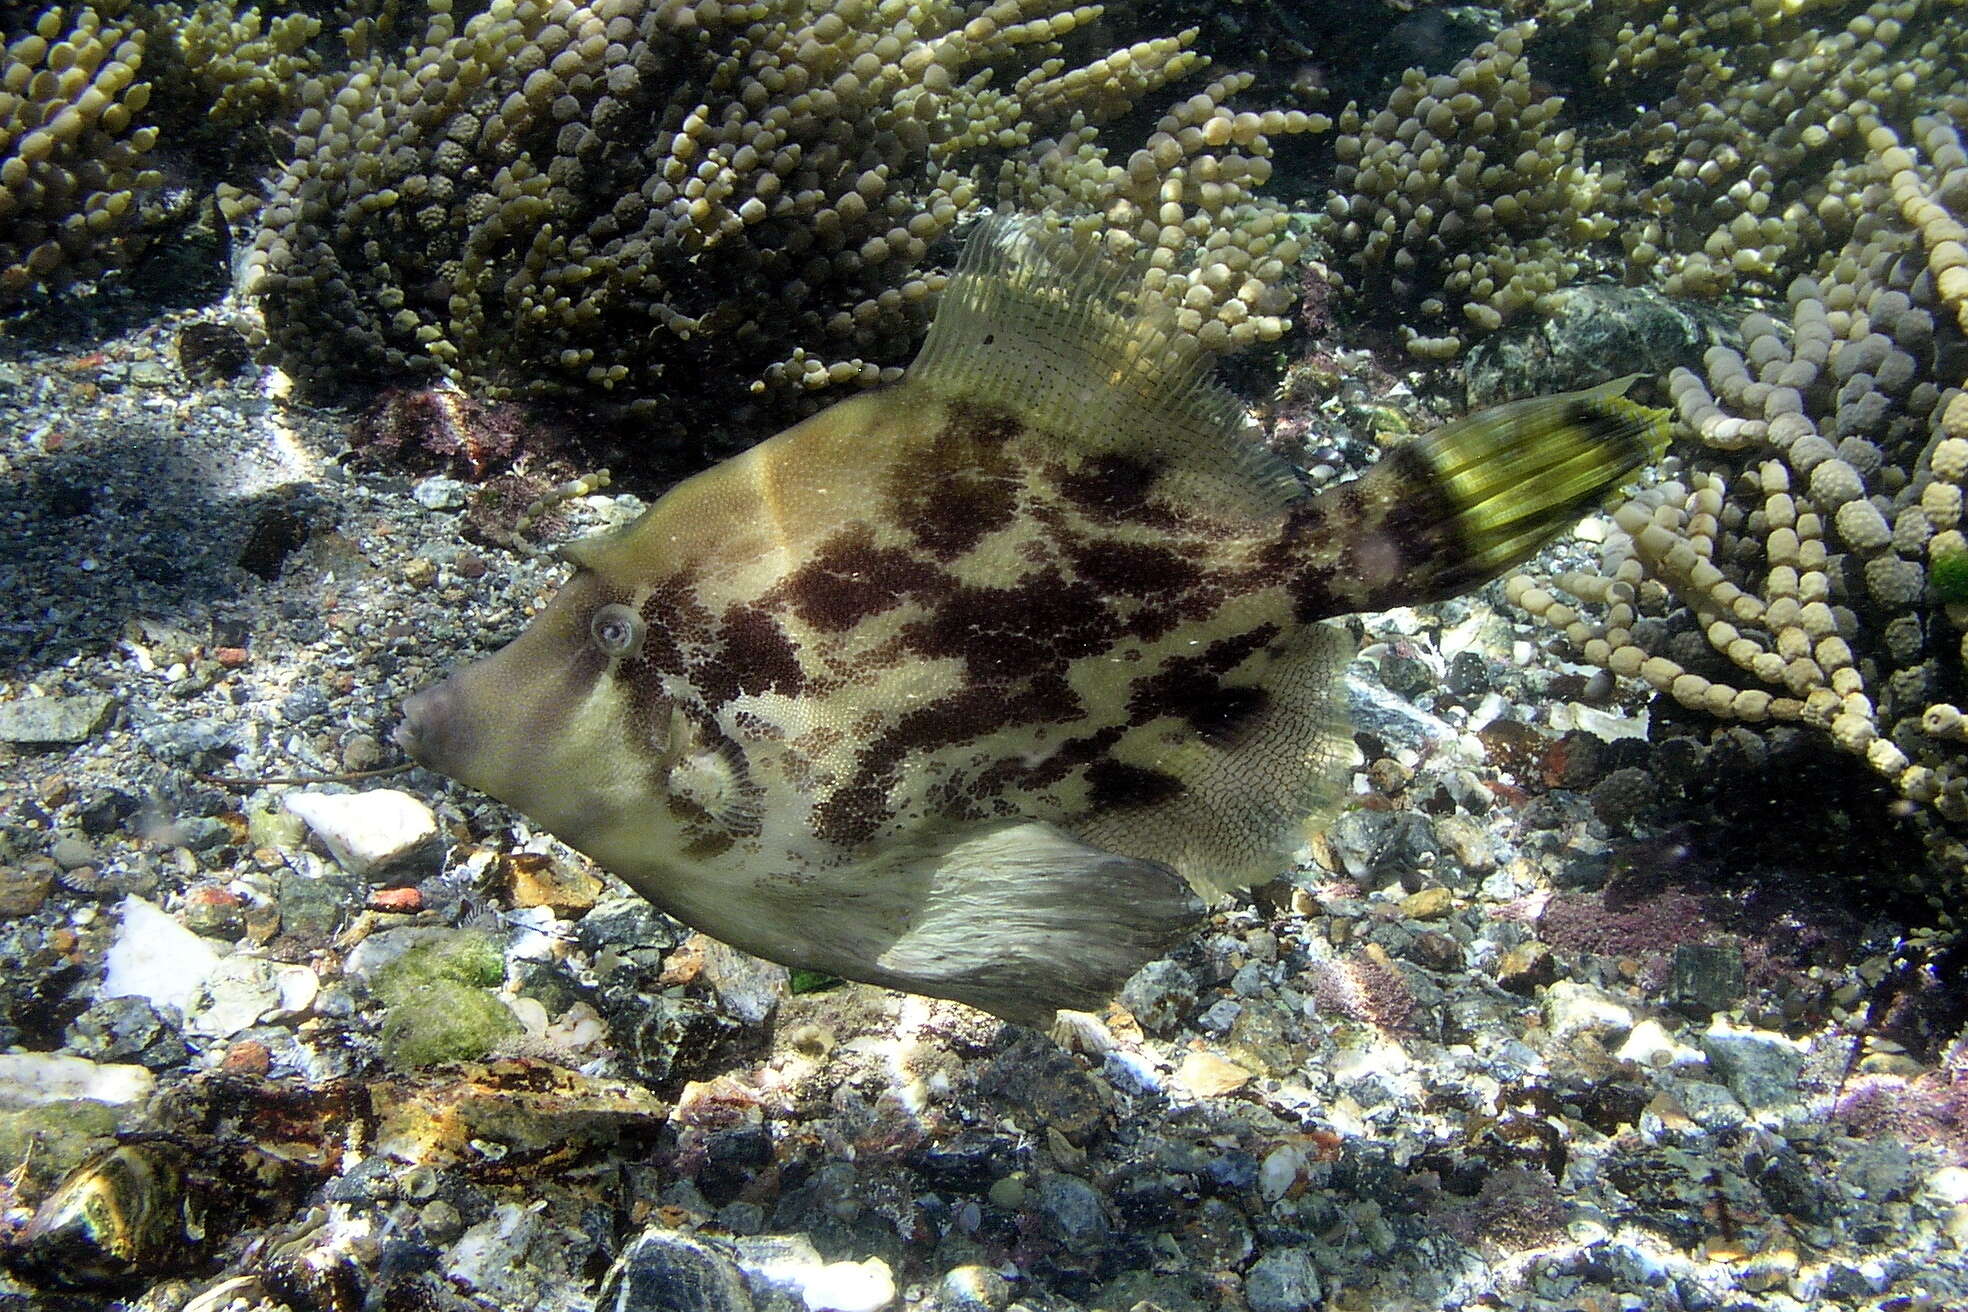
1514,1034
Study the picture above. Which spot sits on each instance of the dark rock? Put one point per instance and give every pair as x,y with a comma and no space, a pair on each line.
304,703
126,1029
1404,674
54,721
1792,1186
1707,977
551,987
731,1158
664,1271
1469,675
1234,1171
211,352
1218,1238
311,909
1623,795
1071,1213
968,1164
1433,950
102,810
633,927
1378,848
278,530
190,742
1591,333
1283,1280
1161,995
677,1039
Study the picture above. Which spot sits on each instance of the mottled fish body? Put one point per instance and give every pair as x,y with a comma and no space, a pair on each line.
979,684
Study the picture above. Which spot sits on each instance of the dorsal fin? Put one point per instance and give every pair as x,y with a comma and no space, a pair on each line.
1066,337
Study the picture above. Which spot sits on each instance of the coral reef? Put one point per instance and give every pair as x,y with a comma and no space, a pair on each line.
72,175
1781,572
1709,148
673,201
1458,205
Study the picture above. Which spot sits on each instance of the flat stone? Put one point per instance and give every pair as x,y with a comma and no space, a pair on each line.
1650,1045
30,1078
368,833
24,887
244,990
1760,1066
54,721
70,852
538,880
437,493
791,1265
1428,904
1206,1075
156,958
1571,1007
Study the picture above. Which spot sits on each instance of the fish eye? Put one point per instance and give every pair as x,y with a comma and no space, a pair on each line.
616,630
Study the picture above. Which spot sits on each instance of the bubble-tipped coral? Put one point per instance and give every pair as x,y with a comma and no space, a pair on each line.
72,148
681,200
1782,572
1462,201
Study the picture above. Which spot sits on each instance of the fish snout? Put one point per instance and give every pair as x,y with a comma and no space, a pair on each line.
433,730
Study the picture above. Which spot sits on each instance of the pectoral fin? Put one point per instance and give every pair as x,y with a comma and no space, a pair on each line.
1023,920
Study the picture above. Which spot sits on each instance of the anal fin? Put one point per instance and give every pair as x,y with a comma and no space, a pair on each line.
1022,919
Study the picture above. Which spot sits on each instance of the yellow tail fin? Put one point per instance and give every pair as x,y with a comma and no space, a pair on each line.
1517,473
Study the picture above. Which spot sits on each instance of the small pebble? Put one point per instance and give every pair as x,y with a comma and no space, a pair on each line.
1427,904
69,852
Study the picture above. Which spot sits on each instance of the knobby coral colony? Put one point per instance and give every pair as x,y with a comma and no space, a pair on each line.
1803,562
696,199
85,92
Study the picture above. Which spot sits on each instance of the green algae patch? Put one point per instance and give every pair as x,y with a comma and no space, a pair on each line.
438,1002
446,1021
468,958
1948,573
47,1141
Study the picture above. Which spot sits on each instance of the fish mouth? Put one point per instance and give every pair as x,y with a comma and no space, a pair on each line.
433,732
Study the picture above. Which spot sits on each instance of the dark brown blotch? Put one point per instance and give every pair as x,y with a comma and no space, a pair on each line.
1004,634
850,579
754,655
1133,569
1115,488
855,811
963,486
1117,785
1191,689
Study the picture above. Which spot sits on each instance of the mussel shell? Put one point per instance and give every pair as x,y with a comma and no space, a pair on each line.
123,1213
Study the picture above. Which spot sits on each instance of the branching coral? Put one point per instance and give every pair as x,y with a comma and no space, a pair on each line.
1755,162
71,148
1458,204
1705,148
1783,572
684,199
